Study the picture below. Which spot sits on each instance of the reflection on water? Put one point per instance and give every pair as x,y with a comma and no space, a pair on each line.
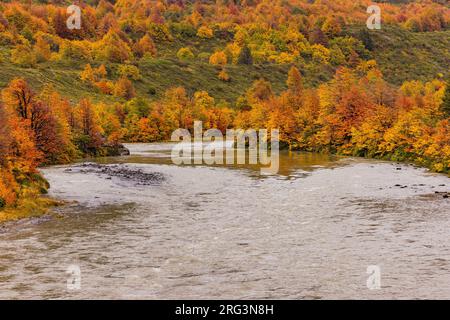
291,164
221,232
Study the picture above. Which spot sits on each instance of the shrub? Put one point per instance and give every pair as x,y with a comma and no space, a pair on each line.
205,32
23,56
6,38
183,30
159,32
129,71
185,54
145,46
124,89
223,75
112,48
105,87
245,56
75,50
218,59
203,56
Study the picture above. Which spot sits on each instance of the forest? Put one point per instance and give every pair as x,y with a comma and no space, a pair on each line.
139,69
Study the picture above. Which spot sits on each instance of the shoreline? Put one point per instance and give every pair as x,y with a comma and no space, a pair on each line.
41,206
37,204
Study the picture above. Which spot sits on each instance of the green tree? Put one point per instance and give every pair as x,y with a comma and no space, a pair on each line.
245,56
366,38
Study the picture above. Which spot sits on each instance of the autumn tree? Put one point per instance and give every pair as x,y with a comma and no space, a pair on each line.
42,49
23,55
317,36
295,82
185,54
145,45
88,134
19,156
282,117
112,48
124,89
48,135
445,107
205,32
223,75
129,71
87,75
218,58
138,106
19,96
331,27
176,110
8,185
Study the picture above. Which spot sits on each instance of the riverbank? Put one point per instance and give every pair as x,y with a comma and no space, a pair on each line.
37,205
32,201
31,208
32,205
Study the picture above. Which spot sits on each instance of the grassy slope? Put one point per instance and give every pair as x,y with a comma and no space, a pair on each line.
402,55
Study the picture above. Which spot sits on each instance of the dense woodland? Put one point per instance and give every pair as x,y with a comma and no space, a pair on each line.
139,69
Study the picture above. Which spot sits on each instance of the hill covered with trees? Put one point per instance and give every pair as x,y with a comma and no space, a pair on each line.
139,69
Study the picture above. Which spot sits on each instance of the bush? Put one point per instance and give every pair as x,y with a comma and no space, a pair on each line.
245,56
6,38
203,56
129,71
151,91
160,32
75,50
185,54
183,30
112,48
223,75
23,56
124,89
205,32
218,58
105,87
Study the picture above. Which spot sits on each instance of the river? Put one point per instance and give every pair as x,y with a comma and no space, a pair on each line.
309,232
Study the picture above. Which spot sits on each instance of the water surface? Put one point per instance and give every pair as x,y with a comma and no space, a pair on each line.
309,232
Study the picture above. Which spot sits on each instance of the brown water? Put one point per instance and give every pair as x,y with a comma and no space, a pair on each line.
226,232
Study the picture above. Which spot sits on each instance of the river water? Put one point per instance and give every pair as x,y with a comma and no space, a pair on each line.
309,232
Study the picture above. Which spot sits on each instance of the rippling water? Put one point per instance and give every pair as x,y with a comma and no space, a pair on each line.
309,232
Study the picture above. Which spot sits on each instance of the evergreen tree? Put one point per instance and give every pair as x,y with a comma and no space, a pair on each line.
366,38
446,101
245,56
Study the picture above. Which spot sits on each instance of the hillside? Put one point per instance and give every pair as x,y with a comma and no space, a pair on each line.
401,55
404,55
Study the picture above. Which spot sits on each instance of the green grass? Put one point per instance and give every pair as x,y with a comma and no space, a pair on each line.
403,55
31,202
158,75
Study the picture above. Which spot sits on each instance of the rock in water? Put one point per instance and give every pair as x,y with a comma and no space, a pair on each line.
116,150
